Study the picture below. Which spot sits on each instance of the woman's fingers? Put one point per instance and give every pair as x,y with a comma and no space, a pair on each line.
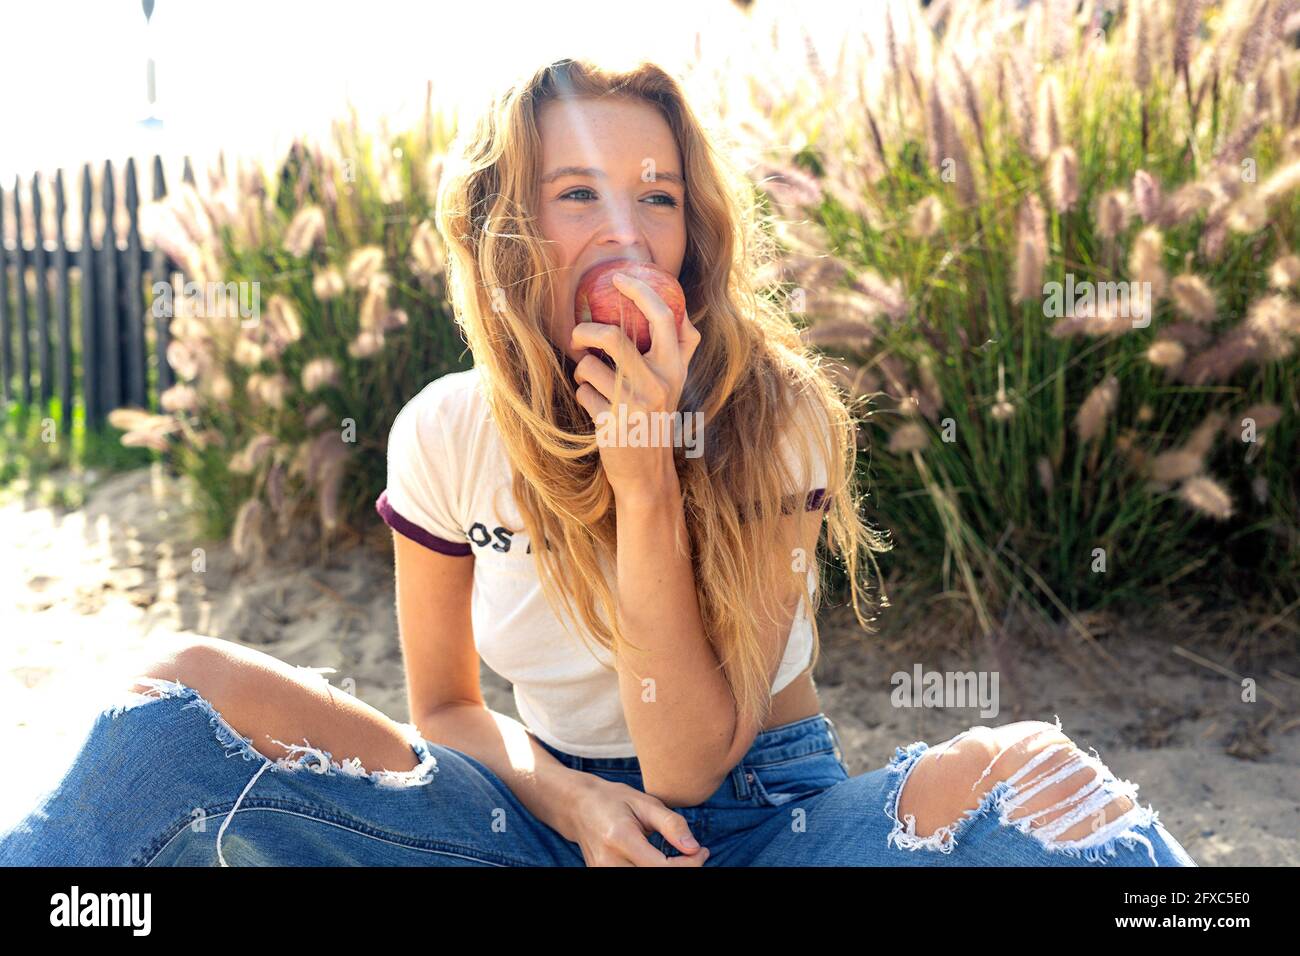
671,824
611,339
663,324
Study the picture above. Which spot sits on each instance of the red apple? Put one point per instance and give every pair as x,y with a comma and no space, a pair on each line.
599,300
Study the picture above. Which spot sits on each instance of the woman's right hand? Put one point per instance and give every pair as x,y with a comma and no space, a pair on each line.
611,822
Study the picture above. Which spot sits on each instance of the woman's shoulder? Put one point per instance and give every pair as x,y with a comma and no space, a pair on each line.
808,427
454,399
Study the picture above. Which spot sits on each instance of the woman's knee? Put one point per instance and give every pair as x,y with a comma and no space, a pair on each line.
1051,778
279,706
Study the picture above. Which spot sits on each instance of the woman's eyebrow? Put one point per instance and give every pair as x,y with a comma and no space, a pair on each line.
594,173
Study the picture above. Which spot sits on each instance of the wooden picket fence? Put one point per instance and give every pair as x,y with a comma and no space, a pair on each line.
112,277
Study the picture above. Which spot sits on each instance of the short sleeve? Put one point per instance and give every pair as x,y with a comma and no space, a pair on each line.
809,426
420,499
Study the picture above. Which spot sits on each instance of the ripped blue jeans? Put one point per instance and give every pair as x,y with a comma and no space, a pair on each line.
163,780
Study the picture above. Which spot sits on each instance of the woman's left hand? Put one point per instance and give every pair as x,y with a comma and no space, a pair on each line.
653,387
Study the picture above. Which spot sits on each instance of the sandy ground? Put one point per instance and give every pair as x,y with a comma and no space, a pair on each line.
88,592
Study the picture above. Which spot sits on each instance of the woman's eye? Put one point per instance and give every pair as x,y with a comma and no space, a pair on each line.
669,201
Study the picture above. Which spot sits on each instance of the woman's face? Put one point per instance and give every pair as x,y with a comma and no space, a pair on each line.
612,186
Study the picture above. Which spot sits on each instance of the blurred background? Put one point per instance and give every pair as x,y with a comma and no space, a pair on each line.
1047,248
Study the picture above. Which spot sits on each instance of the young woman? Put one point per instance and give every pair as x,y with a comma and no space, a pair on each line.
660,639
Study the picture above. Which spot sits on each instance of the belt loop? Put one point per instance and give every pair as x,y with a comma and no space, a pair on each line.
835,735
740,778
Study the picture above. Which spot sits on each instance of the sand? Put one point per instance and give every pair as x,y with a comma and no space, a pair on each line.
90,593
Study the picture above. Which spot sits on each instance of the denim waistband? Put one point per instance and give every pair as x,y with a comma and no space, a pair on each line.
815,734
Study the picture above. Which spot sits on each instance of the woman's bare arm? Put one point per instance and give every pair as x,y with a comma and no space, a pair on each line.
682,713
444,695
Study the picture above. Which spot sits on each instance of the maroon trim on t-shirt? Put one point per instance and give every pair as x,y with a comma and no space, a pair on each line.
409,529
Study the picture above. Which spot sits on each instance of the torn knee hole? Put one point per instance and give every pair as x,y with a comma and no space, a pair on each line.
1040,783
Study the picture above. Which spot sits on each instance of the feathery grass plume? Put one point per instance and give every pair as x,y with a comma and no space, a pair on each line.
1287,112
363,265
1234,147
1069,326
1264,416
318,416
1214,236
970,100
1186,19
1031,251
247,537
375,304
282,321
1220,361
1248,214
327,284
1207,496
137,419
318,373
1047,118
248,353
1186,201
1046,478
1256,37
182,360
275,493
426,253
1145,263
847,333
1140,48
1166,354
889,293
1096,408
1193,298
246,460
1285,272
1018,83
271,390
305,230
395,319
929,384
1112,213
1175,465
1063,178
219,388
926,217
1281,182
790,187
179,398
1147,196
1201,440
366,344
1106,319
1273,322
1186,334
908,438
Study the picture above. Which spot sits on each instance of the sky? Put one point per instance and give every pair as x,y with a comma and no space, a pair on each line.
248,75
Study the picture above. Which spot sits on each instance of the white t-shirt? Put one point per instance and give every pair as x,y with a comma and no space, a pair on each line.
449,489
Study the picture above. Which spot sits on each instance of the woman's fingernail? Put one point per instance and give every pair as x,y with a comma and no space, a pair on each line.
689,841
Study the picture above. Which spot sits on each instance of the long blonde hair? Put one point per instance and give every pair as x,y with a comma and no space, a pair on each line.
745,377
